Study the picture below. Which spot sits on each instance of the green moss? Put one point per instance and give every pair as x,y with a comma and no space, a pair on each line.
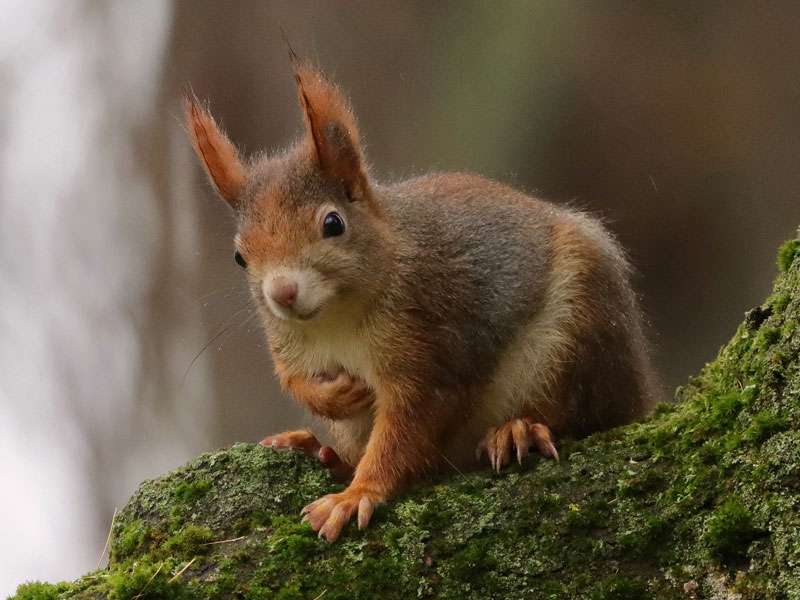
131,537
223,586
469,563
144,581
191,539
787,253
664,408
781,301
290,592
764,425
704,490
646,536
644,482
729,531
36,590
724,410
621,588
190,491
591,516
768,336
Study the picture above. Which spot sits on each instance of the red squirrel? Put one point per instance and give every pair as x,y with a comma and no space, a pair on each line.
430,321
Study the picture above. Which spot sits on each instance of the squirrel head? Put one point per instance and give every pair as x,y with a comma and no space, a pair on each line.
310,233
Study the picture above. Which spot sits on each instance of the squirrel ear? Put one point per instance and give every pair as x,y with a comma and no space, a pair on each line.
218,155
331,130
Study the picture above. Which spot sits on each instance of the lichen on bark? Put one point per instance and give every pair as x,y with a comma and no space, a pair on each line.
702,500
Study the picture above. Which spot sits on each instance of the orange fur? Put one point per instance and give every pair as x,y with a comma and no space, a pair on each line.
218,155
332,131
337,397
299,439
407,428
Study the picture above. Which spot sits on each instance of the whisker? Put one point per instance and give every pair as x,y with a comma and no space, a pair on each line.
241,324
225,328
449,462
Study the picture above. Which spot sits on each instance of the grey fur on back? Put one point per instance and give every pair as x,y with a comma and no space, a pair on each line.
477,269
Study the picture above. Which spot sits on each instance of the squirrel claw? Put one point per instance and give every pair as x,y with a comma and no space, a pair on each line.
329,514
520,434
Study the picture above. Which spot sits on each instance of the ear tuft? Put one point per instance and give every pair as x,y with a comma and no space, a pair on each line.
219,156
331,129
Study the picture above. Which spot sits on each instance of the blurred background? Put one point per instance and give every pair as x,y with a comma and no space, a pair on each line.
125,344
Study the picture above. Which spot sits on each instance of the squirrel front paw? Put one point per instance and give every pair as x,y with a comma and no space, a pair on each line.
339,396
328,515
521,434
301,439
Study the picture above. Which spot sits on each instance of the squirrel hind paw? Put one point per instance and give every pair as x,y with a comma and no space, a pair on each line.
517,435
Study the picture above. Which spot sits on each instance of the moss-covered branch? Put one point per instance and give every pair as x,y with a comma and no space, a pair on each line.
701,501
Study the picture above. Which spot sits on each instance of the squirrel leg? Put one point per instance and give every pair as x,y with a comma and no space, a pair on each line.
521,434
400,447
305,441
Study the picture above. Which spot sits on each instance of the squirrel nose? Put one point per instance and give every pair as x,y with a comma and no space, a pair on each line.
283,291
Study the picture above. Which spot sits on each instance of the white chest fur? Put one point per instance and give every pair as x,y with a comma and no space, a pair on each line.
331,347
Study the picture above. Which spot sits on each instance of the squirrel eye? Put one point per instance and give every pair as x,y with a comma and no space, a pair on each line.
237,256
332,225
